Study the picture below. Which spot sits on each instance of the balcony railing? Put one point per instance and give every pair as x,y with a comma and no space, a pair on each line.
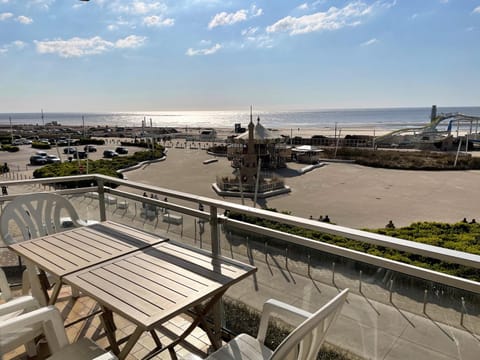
394,308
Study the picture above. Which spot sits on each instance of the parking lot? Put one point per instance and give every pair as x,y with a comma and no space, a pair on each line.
20,161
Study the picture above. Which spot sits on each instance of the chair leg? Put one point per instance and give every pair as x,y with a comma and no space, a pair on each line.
25,283
31,348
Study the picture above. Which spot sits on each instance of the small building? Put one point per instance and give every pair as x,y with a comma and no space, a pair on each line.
208,134
306,154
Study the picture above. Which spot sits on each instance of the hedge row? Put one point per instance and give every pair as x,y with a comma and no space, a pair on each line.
460,236
102,166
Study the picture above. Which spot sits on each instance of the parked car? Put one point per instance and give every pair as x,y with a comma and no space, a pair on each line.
121,150
90,148
53,159
109,154
38,160
70,150
80,155
41,153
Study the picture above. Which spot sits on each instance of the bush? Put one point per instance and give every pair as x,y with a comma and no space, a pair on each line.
406,160
10,148
40,145
89,141
102,166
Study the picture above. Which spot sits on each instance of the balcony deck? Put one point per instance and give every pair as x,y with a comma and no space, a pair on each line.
381,320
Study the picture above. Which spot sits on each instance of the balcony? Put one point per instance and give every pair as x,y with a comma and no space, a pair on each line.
394,310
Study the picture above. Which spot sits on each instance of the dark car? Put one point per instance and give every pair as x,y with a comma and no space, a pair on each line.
80,155
70,150
121,150
109,154
38,160
90,148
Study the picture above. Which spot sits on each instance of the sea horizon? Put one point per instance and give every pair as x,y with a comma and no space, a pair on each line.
379,117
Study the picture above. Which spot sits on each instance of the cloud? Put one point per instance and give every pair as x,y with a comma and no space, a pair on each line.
369,42
263,41
130,42
332,19
139,7
78,47
17,44
24,20
249,31
303,6
5,16
155,20
224,18
44,4
205,51
476,10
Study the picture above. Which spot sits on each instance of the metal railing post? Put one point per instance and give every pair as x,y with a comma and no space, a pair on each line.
101,200
216,251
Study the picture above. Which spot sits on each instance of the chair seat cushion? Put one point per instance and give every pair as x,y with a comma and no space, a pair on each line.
243,347
83,349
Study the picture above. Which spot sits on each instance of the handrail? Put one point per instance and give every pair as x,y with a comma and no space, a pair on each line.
435,252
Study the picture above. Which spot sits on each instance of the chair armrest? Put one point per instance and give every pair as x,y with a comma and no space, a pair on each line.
51,321
21,303
278,307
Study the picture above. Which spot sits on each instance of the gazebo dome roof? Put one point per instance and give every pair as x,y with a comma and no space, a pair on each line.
259,133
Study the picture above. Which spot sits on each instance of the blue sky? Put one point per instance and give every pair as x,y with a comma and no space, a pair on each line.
132,55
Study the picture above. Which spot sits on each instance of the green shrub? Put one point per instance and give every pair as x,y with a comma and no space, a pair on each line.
10,148
102,166
90,141
40,145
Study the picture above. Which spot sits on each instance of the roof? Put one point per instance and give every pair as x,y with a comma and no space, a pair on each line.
259,133
306,148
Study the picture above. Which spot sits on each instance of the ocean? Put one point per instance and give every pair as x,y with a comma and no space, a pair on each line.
377,118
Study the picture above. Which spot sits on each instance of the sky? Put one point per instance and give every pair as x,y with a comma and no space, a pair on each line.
132,55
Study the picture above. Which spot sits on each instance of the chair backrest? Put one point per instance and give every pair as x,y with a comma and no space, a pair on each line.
305,341
36,215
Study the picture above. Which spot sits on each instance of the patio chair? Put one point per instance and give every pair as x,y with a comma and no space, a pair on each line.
303,343
49,321
36,215
11,308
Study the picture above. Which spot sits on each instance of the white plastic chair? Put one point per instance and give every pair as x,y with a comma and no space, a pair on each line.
12,308
36,215
303,343
49,321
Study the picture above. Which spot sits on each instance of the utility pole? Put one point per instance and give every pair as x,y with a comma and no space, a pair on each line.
83,123
11,129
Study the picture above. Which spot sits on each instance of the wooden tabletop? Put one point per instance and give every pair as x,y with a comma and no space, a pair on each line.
150,286
69,251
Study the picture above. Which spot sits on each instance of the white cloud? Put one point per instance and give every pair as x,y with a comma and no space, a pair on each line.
260,41
224,18
24,19
369,42
249,31
205,51
139,7
5,16
19,44
130,42
303,6
77,47
155,20
332,19
44,4
476,10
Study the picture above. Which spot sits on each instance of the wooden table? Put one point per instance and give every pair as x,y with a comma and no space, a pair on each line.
65,252
150,286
